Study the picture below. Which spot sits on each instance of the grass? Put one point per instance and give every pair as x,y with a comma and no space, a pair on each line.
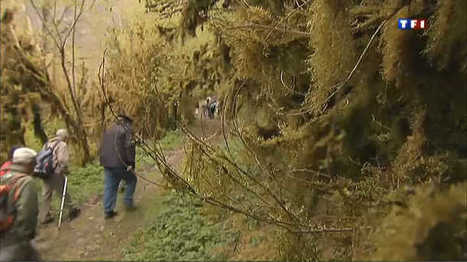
83,183
172,140
30,139
178,233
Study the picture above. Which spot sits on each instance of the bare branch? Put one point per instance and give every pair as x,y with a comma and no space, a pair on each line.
338,86
349,76
62,16
75,21
44,23
284,19
253,25
73,51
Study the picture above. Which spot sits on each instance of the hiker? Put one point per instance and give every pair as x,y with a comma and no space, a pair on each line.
117,156
6,166
18,215
212,108
203,109
207,109
56,180
218,107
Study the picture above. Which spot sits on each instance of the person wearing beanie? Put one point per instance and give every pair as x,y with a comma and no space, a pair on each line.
56,181
6,166
15,241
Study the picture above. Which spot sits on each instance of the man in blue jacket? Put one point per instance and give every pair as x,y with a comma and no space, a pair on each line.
117,156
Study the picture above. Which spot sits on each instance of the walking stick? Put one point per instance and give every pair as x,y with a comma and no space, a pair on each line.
63,201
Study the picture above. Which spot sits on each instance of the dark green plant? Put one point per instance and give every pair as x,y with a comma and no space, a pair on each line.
179,233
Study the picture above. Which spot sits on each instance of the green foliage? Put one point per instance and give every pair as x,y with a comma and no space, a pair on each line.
300,157
388,126
30,140
296,247
447,36
15,95
179,233
172,140
397,48
28,82
431,227
85,182
166,92
329,24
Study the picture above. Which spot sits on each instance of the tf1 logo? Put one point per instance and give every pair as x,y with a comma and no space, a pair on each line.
412,24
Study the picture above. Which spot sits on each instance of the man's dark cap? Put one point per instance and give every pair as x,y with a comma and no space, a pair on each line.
127,118
12,151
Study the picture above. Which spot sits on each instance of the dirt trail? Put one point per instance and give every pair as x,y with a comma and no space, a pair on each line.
91,237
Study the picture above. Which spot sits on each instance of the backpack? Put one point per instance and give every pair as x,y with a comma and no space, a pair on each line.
5,167
7,213
45,162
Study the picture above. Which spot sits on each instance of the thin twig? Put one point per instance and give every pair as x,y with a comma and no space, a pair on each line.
43,20
349,76
73,73
250,25
290,88
283,19
224,109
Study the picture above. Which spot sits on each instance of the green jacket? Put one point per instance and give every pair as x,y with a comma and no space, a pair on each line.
26,206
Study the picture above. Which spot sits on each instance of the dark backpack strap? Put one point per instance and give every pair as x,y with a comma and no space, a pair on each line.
53,147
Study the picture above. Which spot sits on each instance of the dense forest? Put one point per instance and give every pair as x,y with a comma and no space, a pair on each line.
344,133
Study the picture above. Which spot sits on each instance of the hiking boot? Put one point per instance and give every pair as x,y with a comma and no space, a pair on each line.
74,213
110,214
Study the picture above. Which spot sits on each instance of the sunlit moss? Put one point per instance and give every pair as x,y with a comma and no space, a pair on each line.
431,227
447,36
334,51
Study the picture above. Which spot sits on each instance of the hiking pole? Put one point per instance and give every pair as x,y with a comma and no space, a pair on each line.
63,201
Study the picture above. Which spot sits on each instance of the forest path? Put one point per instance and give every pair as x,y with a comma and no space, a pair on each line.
91,237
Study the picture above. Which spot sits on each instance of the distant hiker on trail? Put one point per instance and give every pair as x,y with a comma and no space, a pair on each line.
212,108
218,107
56,180
18,208
6,166
207,109
117,156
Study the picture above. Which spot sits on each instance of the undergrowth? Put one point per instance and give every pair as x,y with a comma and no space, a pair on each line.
83,183
179,233
86,181
172,140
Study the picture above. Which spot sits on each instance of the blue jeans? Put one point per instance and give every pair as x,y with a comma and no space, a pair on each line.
113,176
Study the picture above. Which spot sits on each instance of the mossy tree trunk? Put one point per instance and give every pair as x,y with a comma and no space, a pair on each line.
39,131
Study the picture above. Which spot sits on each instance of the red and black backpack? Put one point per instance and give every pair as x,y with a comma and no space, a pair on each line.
7,211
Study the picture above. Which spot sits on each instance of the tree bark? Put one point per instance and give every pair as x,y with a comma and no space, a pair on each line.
37,122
